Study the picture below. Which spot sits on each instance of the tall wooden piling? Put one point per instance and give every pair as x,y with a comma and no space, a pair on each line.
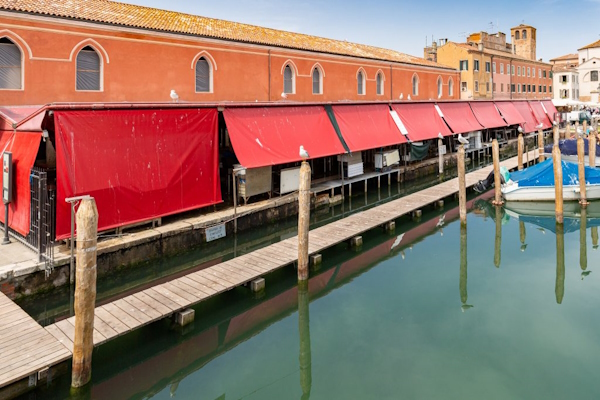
462,186
520,146
497,182
498,238
581,169
85,292
583,239
592,149
541,145
303,220
463,265
559,287
585,127
555,135
558,184
305,357
440,158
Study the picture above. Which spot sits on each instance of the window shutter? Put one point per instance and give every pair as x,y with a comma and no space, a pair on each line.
202,75
88,70
288,84
10,65
316,81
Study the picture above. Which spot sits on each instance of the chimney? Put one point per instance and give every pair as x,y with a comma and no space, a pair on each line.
480,47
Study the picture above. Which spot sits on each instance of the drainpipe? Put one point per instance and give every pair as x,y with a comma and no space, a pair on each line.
269,75
510,79
492,72
391,83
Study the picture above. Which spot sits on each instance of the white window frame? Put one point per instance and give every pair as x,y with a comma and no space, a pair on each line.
450,87
518,70
493,67
501,68
475,65
440,87
380,86
211,68
476,86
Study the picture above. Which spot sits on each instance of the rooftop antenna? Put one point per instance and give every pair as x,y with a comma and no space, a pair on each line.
463,35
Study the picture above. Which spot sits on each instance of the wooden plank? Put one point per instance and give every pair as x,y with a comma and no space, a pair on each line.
198,294
35,342
165,301
190,297
121,315
26,366
153,304
164,290
60,336
143,307
111,321
132,311
208,281
198,286
67,328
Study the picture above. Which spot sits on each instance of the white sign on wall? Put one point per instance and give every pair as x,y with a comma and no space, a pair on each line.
215,232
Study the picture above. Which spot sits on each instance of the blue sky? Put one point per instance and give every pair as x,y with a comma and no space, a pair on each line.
563,26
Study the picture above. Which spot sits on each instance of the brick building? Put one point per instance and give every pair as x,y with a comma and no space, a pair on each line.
492,68
104,51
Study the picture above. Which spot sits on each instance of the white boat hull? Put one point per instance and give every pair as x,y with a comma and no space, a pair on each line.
512,192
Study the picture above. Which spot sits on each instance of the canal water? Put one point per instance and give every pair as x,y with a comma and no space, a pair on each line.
504,309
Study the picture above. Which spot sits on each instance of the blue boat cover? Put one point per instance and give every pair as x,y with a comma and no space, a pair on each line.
549,223
542,174
569,147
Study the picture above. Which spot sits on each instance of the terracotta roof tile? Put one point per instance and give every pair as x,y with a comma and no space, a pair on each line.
566,57
591,45
497,53
121,14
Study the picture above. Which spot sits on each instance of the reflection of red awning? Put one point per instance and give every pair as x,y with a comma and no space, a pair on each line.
367,126
510,113
460,117
24,147
487,114
273,135
540,114
422,121
550,109
525,111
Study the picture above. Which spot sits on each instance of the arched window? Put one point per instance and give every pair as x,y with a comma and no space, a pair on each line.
415,85
379,80
360,82
517,35
288,80
203,76
88,69
316,81
439,86
450,87
524,35
10,65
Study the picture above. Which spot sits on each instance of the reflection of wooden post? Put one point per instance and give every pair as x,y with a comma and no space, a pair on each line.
592,149
558,184
497,185
463,264
541,145
303,220
594,237
304,331
583,239
522,235
581,168
520,146
555,134
462,186
498,240
85,292
559,288
440,157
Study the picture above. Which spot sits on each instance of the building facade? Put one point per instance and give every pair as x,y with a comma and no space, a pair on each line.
491,68
104,51
588,69
565,78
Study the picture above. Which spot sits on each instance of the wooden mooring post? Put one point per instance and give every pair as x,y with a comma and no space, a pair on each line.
520,145
303,221
581,169
440,157
85,292
555,135
558,184
592,149
462,186
497,181
559,287
541,157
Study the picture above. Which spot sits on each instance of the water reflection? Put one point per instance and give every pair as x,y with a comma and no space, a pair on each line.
304,331
559,288
522,235
583,240
498,239
463,269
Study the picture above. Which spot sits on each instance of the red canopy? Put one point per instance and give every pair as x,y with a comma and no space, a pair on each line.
540,114
273,135
24,147
367,126
10,115
550,109
525,110
138,164
487,114
422,121
460,117
509,113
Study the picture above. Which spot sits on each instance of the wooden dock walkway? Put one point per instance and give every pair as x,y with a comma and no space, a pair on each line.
27,348
142,308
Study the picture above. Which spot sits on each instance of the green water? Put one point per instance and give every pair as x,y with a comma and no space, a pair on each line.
406,317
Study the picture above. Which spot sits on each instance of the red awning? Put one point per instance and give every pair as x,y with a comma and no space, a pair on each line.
460,117
540,114
550,109
273,135
10,115
24,147
138,164
510,113
367,126
487,114
525,110
422,121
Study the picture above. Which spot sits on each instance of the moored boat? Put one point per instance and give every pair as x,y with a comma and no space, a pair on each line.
568,150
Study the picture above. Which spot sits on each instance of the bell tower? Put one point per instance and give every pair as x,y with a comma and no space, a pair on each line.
524,41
